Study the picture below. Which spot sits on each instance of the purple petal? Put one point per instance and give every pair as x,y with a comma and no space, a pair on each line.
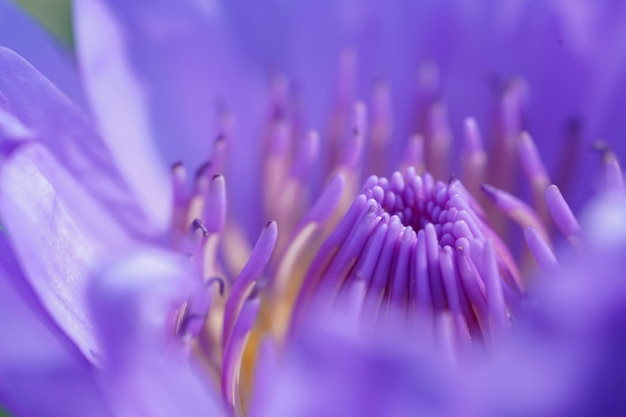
179,66
59,233
146,370
41,370
134,300
123,120
567,352
329,369
51,118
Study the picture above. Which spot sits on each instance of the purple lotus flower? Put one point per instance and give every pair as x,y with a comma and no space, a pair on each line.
128,289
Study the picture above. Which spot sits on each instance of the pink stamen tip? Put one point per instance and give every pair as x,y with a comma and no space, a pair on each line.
473,139
530,159
514,208
215,205
539,248
561,212
613,175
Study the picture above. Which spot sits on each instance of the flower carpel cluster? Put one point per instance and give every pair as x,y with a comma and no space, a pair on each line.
421,246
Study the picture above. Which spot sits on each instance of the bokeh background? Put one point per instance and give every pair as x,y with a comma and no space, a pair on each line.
55,16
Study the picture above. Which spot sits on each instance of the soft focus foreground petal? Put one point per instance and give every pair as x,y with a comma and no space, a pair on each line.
134,301
566,357
120,106
605,221
146,370
41,371
23,34
177,61
52,119
329,368
59,233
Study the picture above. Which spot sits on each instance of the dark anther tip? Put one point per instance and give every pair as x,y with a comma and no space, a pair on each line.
256,290
220,282
603,149
203,169
488,189
197,224
599,146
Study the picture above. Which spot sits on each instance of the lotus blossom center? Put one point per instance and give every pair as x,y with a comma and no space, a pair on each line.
419,200
422,246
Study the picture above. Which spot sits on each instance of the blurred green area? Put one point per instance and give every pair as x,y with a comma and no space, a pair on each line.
55,15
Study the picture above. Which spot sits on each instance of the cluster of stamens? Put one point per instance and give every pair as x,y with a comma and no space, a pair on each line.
423,247
216,322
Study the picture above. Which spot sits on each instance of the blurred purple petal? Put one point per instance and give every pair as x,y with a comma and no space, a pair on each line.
329,368
51,118
146,370
59,233
41,370
123,119
566,357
